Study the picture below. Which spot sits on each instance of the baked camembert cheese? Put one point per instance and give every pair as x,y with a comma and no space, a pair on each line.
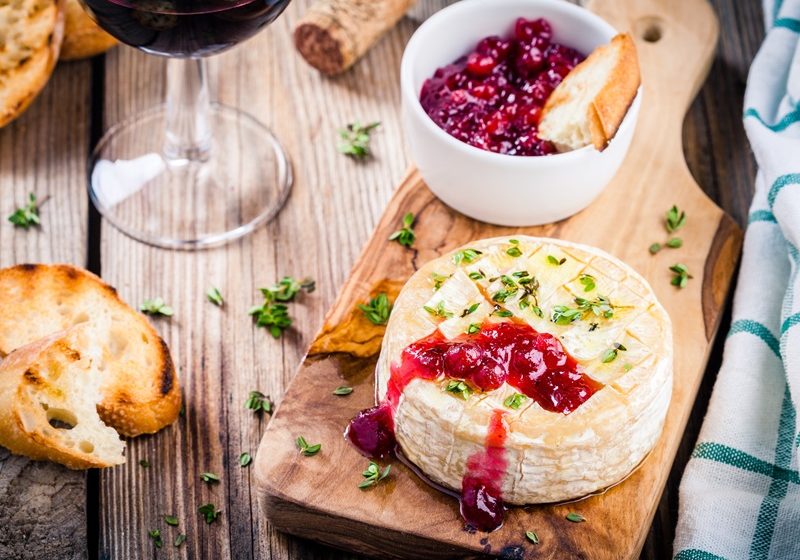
521,370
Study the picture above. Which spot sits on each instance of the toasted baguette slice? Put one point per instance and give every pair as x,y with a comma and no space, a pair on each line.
589,105
140,392
48,395
30,37
82,37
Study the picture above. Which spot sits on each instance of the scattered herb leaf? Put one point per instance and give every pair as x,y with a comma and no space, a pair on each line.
563,315
373,475
438,311
477,275
378,309
466,256
473,328
405,235
355,139
674,219
438,280
611,354
515,401
215,297
681,275
531,536
156,307
675,243
588,282
245,459
275,316
144,463
179,540
554,261
258,401
514,251
28,215
209,512
458,388
470,310
654,248
305,448
209,477
155,534
575,517
342,391
171,520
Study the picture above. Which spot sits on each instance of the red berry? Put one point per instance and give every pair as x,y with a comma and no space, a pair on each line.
529,60
461,359
484,91
480,65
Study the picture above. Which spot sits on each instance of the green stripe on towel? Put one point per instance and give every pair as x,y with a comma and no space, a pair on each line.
779,184
788,23
768,513
791,321
741,460
759,330
785,122
696,554
761,216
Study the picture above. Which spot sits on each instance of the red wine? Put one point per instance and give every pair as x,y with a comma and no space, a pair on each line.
183,28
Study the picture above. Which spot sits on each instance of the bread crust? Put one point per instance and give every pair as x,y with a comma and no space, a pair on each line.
611,105
141,392
607,110
82,37
20,378
20,86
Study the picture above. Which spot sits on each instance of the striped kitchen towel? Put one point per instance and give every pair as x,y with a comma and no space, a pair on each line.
740,494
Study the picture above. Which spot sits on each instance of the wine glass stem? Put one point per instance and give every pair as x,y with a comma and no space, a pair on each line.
188,133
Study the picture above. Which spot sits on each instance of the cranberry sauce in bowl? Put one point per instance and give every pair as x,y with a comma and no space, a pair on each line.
493,182
492,98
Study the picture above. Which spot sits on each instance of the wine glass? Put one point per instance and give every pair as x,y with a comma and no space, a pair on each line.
189,173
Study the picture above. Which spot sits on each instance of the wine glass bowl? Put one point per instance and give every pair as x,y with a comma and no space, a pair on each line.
184,28
189,173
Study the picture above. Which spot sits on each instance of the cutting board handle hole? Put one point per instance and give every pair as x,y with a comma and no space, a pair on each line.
650,29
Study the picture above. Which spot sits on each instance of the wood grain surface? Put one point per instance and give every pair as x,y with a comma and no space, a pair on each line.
330,214
42,505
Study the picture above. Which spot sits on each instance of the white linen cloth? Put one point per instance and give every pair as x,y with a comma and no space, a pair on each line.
740,493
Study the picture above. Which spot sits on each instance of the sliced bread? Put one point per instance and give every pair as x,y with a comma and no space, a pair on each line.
140,391
30,37
48,395
82,37
589,105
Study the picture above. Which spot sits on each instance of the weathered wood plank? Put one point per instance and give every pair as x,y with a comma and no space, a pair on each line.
43,505
220,355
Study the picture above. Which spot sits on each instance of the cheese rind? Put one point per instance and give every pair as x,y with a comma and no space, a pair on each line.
550,456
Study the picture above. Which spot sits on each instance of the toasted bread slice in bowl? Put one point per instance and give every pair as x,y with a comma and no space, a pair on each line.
140,390
82,36
49,390
31,32
587,107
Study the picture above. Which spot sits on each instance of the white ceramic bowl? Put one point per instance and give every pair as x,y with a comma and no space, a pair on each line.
498,188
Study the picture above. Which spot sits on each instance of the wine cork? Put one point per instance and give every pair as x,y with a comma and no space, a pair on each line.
334,34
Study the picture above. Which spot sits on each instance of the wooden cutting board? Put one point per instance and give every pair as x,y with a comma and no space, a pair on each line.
317,497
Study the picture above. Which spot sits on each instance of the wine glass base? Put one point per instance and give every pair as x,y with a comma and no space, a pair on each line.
241,183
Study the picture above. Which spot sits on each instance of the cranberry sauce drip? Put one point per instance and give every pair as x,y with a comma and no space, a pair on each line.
534,363
481,495
493,97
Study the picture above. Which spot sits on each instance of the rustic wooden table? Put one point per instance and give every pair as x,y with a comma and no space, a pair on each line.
49,512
